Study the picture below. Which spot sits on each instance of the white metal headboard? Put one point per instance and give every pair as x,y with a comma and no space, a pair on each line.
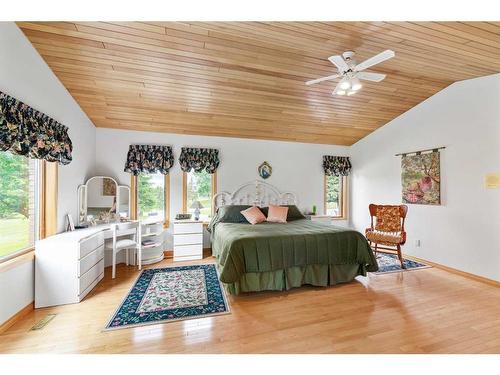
257,193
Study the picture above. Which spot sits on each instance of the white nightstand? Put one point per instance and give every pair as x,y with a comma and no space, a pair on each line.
188,240
323,219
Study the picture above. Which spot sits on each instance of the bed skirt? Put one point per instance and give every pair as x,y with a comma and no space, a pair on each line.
293,277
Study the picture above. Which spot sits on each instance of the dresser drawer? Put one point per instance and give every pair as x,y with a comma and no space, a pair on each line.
188,239
89,244
90,260
181,228
188,250
91,275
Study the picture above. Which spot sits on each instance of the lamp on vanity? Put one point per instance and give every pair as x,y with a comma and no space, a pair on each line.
197,206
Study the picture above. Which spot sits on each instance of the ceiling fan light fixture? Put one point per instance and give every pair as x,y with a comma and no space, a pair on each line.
345,84
351,92
340,92
356,84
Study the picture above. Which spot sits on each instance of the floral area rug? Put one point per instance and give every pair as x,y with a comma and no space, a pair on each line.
390,263
175,293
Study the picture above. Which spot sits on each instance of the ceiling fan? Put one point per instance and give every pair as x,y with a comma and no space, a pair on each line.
351,72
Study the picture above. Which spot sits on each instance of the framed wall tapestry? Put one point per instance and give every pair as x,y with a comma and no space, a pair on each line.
420,177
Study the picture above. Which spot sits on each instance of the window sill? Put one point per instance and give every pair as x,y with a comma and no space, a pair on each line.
338,218
25,257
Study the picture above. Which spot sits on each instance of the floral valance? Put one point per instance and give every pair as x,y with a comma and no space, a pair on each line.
149,159
26,131
199,159
336,165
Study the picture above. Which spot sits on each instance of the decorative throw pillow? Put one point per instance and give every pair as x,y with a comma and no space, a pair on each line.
232,213
253,215
277,214
294,213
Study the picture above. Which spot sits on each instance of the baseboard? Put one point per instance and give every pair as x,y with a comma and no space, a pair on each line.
207,251
15,318
481,279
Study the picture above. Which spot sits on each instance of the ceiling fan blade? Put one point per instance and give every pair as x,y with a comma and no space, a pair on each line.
312,82
339,62
377,59
369,76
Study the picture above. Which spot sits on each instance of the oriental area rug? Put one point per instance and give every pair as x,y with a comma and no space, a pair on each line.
169,294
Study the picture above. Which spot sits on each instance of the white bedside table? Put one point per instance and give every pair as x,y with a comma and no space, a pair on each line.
188,240
323,219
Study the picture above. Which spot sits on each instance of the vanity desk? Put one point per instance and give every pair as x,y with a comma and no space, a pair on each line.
102,199
69,265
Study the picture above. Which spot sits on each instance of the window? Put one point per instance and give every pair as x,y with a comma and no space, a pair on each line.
152,196
199,186
335,191
18,204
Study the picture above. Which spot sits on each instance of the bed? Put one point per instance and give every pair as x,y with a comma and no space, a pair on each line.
281,256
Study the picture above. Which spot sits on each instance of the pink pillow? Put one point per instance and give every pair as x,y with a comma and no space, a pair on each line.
277,214
253,215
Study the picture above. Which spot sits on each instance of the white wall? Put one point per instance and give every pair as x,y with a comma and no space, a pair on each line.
297,167
462,232
25,76
16,289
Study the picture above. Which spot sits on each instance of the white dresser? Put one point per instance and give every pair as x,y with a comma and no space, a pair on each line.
68,266
188,240
323,219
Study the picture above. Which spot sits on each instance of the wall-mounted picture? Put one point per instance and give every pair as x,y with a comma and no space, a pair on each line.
108,187
265,170
420,177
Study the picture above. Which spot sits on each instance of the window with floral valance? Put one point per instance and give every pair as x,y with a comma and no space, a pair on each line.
336,165
336,169
149,159
199,159
149,166
26,131
199,182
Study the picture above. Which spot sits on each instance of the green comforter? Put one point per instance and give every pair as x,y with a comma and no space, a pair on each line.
243,248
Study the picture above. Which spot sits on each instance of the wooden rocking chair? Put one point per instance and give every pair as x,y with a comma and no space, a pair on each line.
389,229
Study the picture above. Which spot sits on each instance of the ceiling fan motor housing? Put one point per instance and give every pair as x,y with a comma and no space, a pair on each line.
349,59
351,72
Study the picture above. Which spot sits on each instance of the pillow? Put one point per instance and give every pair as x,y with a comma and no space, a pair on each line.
294,213
277,214
253,215
232,213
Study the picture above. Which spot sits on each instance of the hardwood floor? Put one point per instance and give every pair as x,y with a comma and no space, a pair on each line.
420,311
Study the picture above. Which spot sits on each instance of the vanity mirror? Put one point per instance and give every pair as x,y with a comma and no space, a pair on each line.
101,199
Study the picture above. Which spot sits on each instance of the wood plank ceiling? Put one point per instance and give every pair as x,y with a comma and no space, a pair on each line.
246,79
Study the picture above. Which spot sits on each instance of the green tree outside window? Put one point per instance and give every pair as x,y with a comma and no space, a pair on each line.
199,188
15,198
333,195
151,196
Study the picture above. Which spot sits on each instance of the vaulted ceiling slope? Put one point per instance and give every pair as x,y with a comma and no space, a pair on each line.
246,79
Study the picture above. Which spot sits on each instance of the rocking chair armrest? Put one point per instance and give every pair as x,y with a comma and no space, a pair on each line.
368,230
403,236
